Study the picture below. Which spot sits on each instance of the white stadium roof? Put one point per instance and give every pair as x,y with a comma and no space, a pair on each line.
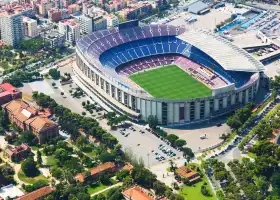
229,56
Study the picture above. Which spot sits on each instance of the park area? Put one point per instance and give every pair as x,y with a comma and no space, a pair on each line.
170,82
194,191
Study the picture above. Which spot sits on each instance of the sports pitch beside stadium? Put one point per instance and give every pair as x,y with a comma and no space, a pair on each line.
170,82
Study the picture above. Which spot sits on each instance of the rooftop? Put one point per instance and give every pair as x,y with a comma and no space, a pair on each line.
10,191
17,149
7,88
136,193
229,56
37,194
197,6
29,114
69,22
187,172
96,170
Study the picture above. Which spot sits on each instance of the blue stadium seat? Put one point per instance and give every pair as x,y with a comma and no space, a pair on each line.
139,52
152,49
165,47
159,48
145,50
132,53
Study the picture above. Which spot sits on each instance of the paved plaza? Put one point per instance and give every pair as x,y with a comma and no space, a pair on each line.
192,134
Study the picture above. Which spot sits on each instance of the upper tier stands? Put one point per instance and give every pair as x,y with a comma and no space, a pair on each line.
113,48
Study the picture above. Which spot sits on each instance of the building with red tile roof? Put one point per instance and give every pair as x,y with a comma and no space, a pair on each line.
27,118
95,172
139,193
37,194
18,153
187,173
8,93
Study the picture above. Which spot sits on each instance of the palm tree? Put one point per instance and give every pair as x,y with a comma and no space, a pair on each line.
171,165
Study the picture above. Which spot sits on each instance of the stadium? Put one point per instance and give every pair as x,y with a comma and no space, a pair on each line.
180,75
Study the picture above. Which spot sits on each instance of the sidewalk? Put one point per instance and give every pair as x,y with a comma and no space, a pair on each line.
108,188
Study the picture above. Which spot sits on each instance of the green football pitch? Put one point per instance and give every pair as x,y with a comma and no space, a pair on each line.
170,82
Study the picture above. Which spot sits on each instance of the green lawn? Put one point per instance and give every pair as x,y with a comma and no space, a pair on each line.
31,180
50,161
193,192
96,188
170,82
35,148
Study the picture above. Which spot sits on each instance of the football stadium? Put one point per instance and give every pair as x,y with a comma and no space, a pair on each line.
180,75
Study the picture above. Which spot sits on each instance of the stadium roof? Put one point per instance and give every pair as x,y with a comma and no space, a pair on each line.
197,7
229,56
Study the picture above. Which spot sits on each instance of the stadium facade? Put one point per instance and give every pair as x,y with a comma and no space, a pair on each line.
106,59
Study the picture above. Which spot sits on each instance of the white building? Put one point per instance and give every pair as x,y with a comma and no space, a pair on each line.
30,27
112,20
70,29
10,191
86,24
11,28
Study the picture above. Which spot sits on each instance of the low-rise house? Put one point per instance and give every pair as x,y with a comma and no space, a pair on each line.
8,93
139,193
10,192
18,153
128,167
37,194
94,173
28,118
186,173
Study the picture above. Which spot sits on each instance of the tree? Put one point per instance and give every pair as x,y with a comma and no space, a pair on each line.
39,157
29,168
180,143
159,188
122,174
54,73
143,176
81,141
262,184
53,84
172,138
234,122
104,179
106,157
275,83
275,182
187,153
204,191
152,121
28,137
172,165
56,172
62,93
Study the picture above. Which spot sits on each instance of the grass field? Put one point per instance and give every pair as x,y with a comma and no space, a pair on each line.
31,180
170,82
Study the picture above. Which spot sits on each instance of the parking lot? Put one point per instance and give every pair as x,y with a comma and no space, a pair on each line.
145,145
209,20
